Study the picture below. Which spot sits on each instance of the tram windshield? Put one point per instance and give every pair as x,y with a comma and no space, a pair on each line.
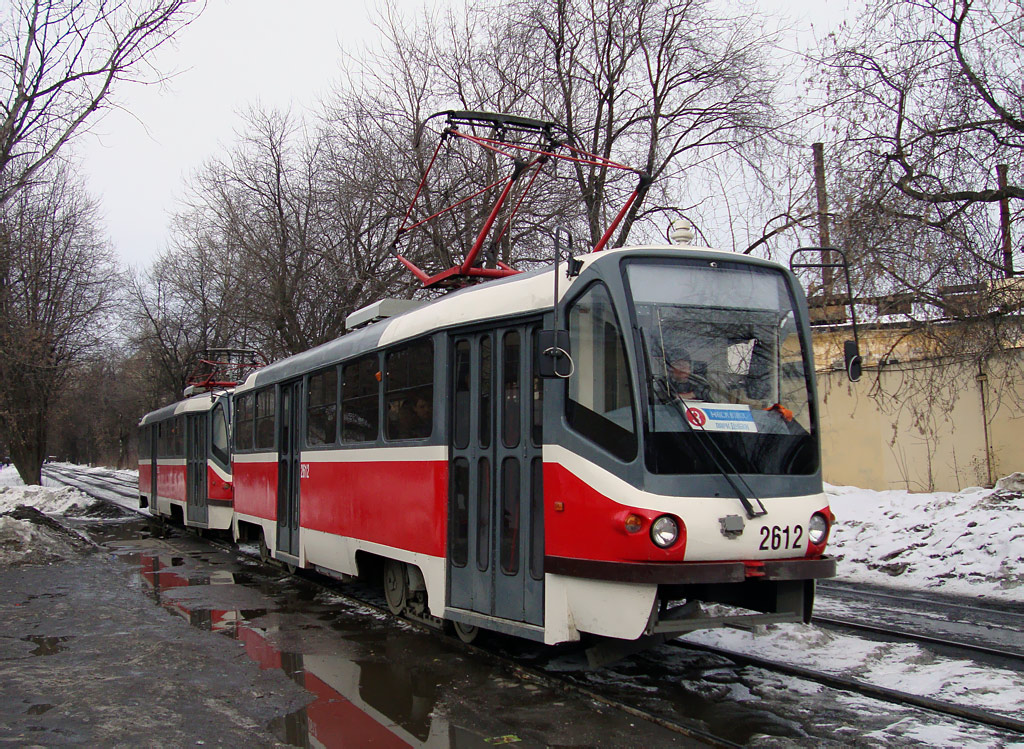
725,363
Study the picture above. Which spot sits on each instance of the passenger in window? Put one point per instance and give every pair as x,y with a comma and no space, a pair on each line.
415,418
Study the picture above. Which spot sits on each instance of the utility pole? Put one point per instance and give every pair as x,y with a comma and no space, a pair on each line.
1004,221
823,236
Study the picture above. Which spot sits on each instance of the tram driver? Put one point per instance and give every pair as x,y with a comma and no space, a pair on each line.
682,382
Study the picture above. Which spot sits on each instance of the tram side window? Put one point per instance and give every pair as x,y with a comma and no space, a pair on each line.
144,443
537,401
178,437
360,384
219,444
264,420
600,400
243,422
322,408
409,396
460,412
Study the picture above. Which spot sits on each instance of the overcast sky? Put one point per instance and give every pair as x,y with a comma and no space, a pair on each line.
282,54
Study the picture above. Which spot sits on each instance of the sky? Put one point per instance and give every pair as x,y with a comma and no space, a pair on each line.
137,159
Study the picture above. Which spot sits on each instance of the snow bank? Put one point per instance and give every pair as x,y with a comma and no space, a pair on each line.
28,542
27,538
967,543
51,500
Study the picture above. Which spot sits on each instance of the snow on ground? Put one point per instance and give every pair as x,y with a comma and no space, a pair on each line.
29,542
23,541
970,543
903,666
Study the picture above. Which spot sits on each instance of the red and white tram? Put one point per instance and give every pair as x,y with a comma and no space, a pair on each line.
428,446
185,463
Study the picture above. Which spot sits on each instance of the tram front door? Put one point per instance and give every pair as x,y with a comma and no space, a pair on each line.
496,507
154,464
289,409
197,428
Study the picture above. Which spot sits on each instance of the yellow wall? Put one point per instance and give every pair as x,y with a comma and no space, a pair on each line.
919,424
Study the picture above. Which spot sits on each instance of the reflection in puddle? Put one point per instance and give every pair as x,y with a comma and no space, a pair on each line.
47,645
371,699
39,709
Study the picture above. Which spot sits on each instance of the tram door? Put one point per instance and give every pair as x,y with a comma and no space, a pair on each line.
152,434
197,428
289,409
496,508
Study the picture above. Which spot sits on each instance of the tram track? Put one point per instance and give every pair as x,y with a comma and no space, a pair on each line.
908,598
944,623
890,633
566,683
83,483
874,691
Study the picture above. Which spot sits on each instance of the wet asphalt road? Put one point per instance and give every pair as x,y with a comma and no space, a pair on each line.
167,641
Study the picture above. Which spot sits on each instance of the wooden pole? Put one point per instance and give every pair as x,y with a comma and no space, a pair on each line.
823,234
1004,221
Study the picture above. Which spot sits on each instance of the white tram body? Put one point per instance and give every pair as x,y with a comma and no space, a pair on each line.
436,448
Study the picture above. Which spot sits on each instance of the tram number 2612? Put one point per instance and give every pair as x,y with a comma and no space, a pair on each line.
781,537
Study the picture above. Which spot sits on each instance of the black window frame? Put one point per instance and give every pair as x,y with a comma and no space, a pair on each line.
363,375
266,399
222,457
329,405
244,422
400,424
589,424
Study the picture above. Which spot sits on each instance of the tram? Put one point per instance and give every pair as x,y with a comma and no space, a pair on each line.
184,463
431,448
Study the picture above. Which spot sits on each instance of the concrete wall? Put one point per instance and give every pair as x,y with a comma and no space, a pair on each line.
923,425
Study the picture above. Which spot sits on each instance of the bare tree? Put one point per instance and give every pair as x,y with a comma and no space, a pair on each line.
94,419
183,304
659,84
60,63
280,241
925,102
928,104
57,280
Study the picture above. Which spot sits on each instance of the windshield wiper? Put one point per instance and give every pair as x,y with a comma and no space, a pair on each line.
711,449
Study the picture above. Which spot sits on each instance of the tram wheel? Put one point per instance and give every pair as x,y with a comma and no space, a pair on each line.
465,632
396,589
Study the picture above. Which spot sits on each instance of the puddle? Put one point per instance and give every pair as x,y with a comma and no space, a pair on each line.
364,700
46,645
39,709
373,680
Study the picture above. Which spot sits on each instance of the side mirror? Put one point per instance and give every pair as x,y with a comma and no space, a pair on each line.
853,360
553,358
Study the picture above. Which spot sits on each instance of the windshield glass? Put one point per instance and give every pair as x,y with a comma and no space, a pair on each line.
723,351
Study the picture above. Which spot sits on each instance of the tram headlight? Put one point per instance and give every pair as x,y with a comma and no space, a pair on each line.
664,531
817,529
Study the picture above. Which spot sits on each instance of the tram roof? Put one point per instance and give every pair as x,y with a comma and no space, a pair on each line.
513,296
194,404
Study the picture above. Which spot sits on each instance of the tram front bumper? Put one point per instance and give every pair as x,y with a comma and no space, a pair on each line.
692,573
